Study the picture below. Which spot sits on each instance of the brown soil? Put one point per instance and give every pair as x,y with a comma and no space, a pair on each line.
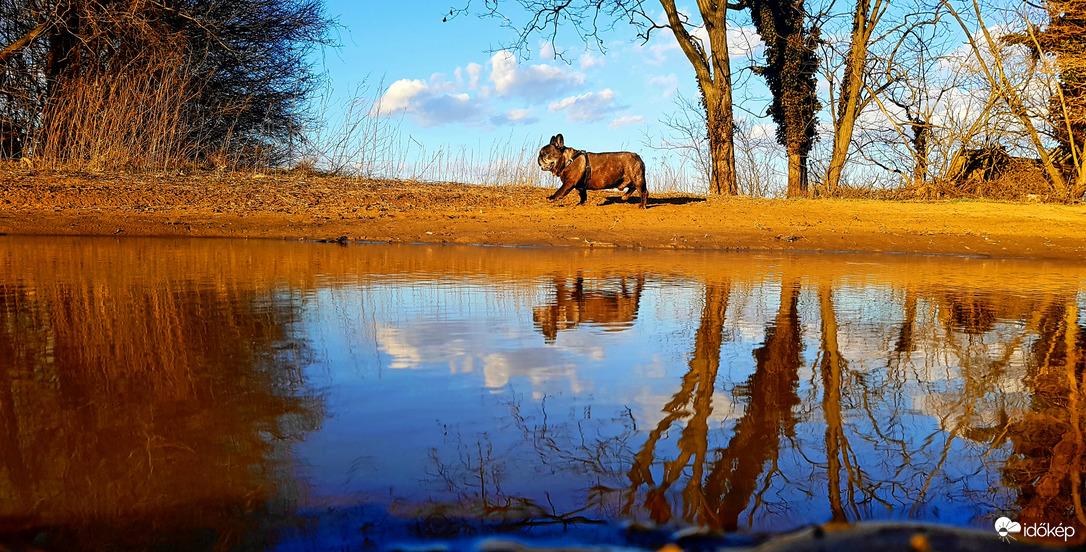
303,206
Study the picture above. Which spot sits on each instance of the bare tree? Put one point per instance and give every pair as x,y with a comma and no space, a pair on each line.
990,56
907,80
710,60
753,148
686,136
865,19
1059,47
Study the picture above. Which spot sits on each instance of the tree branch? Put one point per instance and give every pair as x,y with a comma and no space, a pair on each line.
24,40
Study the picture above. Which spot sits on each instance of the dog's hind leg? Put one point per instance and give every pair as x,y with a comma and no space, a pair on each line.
641,186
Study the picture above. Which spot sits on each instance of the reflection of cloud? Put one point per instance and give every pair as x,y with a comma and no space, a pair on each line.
463,347
545,368
648,407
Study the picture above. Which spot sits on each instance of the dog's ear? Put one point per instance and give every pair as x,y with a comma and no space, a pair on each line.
557,141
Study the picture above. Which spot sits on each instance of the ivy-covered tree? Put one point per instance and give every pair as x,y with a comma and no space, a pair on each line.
789,71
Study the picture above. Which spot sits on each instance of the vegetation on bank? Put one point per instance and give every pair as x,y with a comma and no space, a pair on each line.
120,85
923,89
930,104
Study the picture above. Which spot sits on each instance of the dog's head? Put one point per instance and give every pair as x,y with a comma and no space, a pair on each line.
552,156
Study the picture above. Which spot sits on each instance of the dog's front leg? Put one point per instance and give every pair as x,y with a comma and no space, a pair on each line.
563,191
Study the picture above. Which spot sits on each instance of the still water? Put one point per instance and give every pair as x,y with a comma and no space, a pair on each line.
252,395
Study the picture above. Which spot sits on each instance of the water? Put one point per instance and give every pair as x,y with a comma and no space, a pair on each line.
232,394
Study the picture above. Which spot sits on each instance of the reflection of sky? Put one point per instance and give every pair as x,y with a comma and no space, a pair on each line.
425,380
401,364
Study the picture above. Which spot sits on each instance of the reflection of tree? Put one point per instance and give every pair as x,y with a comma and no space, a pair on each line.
771,395
838,452
905,343
1048,441
475,474
693,401
608,302
137,404
715,499
973,314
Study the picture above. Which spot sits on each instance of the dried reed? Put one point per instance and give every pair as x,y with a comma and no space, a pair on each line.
132,118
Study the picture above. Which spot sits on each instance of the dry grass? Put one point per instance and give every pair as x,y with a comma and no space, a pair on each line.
1015,186
135,119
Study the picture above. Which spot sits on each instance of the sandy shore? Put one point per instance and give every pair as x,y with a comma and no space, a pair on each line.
300,206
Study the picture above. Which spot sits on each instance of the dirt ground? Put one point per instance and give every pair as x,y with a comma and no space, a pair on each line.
305,206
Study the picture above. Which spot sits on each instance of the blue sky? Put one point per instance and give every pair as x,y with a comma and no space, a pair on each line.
451,85
449,91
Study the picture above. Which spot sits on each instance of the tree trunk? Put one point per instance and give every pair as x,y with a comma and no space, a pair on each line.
920,150
797,175
832,378
848,109
721,129
791,63
713,69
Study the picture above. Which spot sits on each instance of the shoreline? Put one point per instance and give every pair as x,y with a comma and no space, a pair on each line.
309,207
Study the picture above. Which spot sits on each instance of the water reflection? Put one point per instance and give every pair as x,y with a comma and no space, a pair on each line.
1047,465
142,407
610,303
302,396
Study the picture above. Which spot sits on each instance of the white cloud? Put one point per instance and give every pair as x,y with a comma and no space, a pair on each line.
588,61
462,98
668,84
743,42
399,95
546,49
763,131
514,117
428,103
535,82
518,114
474,70
503,71
626,120
587,107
